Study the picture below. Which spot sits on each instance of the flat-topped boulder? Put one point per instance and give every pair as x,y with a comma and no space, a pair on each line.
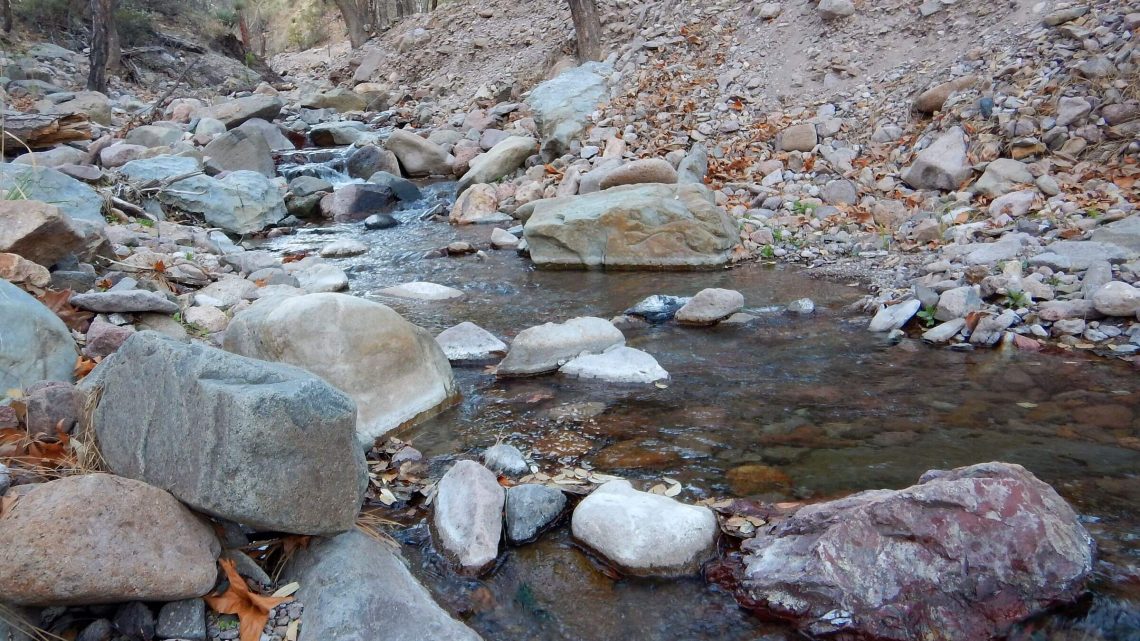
467,342
631,226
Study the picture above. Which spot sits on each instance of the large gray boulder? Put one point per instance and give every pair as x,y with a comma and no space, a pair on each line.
468,515
545,348
78,201
239,149
264,444
394,370
501,160
943,165
98,538
962,555
240,203
35,345
271,132
235,112
417,156
563,104
356,588
645,534
672,226
95,105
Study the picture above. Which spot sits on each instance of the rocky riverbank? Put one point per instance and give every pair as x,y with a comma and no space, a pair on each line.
156,358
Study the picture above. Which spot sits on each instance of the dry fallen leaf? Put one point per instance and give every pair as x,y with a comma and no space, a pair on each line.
73,317
252,609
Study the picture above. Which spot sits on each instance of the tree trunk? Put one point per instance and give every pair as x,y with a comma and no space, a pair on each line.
588,29
101,15
6,15
354,21
114,45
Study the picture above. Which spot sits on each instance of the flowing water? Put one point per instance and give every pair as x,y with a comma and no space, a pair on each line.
818,406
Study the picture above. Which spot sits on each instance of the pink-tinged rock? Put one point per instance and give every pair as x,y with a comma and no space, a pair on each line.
52,406
962,555
104,338
98,538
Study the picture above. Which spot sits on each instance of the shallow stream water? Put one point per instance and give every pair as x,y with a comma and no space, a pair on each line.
827,407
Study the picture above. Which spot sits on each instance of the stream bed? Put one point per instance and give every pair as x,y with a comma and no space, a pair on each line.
818,404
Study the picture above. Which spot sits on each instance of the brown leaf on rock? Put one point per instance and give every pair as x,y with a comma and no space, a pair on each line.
252,609
73,317
83,366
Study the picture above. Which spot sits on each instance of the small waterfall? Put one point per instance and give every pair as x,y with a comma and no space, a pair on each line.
326,164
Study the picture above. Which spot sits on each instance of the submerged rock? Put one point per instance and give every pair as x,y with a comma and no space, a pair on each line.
962,555
98,538
422,290
391,368
264,444
650,225
547,347
355,587
468,516
645,534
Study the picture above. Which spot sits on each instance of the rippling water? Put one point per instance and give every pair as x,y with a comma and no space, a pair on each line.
819,405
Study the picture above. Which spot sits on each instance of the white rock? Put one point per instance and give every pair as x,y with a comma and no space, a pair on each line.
342,248
1117,299
469,342
894,316
208,318
832,9
503,239
322,278
468,515
645,534
545,348
618,364
422,290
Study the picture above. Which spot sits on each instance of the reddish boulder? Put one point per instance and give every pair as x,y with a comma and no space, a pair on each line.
962,555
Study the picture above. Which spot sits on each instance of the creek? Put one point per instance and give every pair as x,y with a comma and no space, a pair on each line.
817,405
